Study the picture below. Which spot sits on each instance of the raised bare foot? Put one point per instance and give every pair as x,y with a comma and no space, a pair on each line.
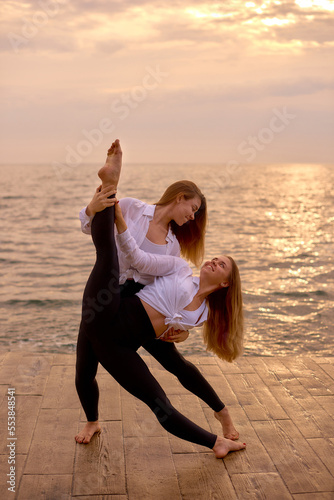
110,172
86,434
223,446
229,431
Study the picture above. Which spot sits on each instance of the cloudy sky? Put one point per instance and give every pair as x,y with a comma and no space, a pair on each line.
176,81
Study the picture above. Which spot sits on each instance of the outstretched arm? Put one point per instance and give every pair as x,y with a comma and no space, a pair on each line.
148,263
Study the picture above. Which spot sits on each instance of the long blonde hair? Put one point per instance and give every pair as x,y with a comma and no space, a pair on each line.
192,234
223,330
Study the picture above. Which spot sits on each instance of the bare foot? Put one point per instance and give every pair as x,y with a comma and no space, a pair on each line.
223,446
110,172
229,431
86,434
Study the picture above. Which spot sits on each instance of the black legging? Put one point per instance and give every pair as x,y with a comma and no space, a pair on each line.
116,328
165,353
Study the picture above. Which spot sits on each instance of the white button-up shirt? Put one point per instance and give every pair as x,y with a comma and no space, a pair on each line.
173,288
137,216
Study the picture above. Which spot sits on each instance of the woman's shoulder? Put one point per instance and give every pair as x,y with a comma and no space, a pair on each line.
132,208
131,202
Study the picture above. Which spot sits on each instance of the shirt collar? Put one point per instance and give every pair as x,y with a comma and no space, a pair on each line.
149,211
196,282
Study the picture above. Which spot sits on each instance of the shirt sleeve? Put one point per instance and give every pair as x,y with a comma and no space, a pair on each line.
86,221
148,263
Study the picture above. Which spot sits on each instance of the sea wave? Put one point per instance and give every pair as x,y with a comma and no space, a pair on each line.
47,303
319,293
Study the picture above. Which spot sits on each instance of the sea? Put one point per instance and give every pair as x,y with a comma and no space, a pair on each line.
275,220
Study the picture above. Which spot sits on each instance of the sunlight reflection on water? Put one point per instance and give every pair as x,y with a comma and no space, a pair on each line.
276,221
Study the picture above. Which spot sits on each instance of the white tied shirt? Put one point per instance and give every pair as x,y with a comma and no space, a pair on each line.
137,216
173,288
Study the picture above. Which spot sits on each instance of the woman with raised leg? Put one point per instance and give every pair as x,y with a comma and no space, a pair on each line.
134,320
179,218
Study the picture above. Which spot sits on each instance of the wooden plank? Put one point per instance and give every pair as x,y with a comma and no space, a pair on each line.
254,458
279,370
265,398
150,469
260,486
294,388
26,413
202,360
329,369
102,497
301,418
53,445
324,448
324,371
310,375
3,354
300,469
8,367
326,402
60,388
268,375
99,466
241,365
138,419
246,397
313,496
203,476
320,417
64,359
218,381
31,374
322,359
45,486
241,388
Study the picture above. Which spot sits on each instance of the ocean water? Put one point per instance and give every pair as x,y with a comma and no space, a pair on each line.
275,220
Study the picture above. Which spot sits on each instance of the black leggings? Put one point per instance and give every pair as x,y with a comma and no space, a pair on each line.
116,328
165,353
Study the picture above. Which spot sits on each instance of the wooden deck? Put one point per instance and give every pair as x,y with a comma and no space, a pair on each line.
283,408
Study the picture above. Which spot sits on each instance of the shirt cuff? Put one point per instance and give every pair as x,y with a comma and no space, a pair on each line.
124,240
86,220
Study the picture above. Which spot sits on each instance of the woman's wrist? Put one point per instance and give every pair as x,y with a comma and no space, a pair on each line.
90,211
121,226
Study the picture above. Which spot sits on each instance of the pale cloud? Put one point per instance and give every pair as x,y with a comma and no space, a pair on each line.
86,25
229,64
